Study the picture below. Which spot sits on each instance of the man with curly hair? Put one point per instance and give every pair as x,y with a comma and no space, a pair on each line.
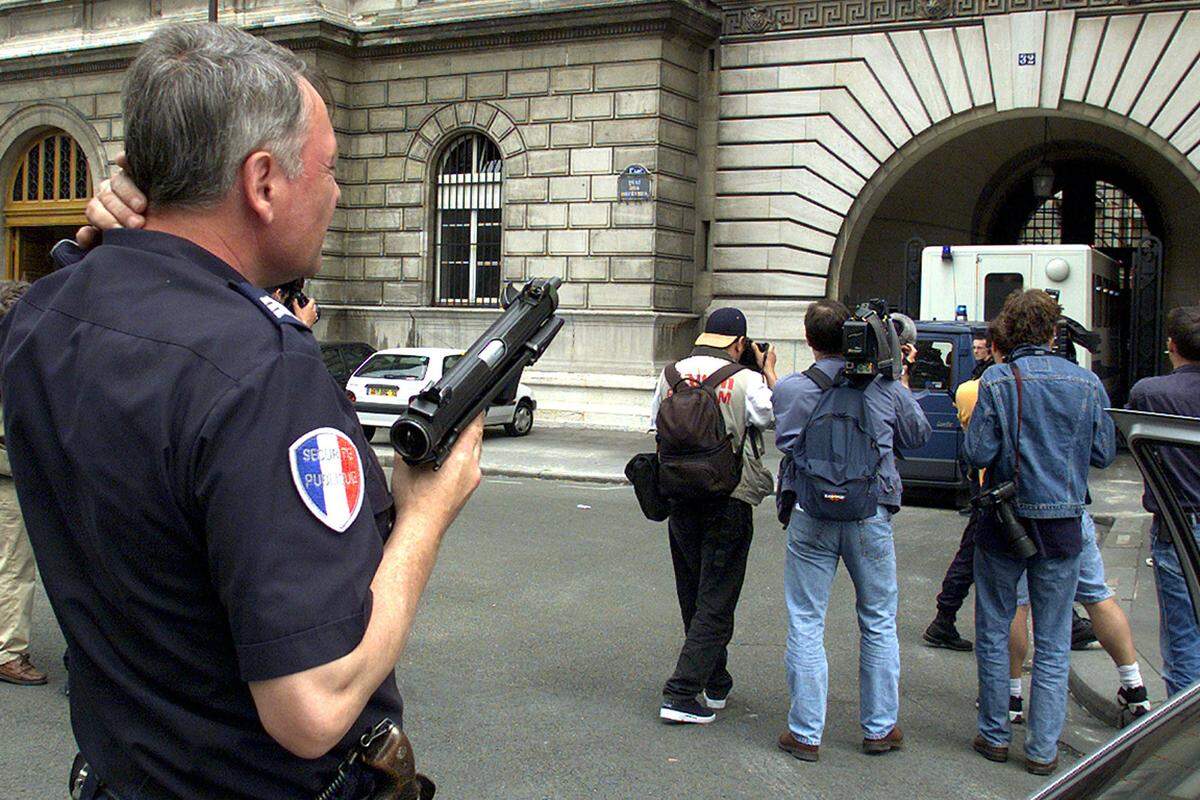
1040,422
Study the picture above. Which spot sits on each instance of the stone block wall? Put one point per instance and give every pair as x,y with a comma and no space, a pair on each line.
568,118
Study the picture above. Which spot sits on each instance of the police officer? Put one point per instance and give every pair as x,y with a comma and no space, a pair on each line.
216,536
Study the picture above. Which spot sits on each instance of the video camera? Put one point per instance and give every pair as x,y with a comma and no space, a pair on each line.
429,427
1069,332
871,343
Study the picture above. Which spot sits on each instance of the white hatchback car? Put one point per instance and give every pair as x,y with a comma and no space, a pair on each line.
382,386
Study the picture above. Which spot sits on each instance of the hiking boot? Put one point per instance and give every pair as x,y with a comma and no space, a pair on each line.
942,633
21,672
1083,637
992,752
893,741
714,700
685,711
797,749
1134,701
1041,767
1016,710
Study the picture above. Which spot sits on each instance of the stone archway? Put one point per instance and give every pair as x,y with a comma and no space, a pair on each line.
946,186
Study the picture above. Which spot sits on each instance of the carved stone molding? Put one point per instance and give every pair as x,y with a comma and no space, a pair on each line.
746,19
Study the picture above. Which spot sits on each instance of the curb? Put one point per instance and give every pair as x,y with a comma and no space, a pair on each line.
1094,703
538,473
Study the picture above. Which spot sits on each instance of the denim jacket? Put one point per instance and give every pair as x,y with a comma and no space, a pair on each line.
1064,429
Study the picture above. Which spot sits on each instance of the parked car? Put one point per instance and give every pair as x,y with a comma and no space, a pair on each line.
944,360
381,388
342,358
1159,755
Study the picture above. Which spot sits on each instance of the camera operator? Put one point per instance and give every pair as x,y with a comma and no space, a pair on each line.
293,298
1040,422
888,416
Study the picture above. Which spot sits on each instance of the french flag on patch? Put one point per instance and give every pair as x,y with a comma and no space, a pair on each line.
328,474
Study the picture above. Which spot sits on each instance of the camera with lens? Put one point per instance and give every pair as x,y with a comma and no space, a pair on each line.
748,358
871,342
1000,499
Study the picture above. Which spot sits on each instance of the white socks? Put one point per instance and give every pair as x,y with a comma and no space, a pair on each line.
1131,675
1014,685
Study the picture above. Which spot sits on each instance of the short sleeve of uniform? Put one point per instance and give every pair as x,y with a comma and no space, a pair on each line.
296,590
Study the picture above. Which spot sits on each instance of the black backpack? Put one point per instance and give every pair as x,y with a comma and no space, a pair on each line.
836,458
696,456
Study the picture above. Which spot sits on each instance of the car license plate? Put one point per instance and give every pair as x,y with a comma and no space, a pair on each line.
382,391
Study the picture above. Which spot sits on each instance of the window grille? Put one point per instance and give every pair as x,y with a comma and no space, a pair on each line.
469,208
1119,220
1044,225
54,169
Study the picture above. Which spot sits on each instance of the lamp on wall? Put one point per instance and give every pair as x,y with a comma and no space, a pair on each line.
1043,176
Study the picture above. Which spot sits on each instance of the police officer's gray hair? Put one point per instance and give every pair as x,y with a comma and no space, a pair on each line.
10,293
198,99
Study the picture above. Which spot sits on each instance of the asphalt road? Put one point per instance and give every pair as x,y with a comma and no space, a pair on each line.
536,667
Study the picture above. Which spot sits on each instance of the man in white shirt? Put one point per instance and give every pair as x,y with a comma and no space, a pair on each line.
710,539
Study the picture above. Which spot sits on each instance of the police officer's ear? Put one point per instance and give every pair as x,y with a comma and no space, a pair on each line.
262,180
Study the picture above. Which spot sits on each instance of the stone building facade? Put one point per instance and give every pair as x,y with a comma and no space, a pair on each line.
793,149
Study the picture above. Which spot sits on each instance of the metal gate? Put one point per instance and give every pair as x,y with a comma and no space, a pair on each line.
1145,310
912,276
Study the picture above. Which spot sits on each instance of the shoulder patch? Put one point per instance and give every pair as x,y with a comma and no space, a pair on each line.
276,311
328,474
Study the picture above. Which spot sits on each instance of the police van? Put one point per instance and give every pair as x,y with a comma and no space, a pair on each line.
972,282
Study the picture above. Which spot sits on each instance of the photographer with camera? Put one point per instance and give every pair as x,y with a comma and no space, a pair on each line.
837,424
1039,424
713,487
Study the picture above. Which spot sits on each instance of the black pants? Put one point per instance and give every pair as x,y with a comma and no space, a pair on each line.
709,545
961,573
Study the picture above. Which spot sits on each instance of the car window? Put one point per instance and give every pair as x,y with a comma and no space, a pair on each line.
357,354
402,367
933,368
450,362
332,358
996,289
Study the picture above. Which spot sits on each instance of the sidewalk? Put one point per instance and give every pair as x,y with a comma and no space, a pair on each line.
573,454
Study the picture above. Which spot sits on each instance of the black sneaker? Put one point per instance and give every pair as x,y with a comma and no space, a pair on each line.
714,700
1082,635
1016,710
685,711
943,634
1134,700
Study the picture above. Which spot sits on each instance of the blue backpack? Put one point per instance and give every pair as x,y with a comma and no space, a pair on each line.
836,458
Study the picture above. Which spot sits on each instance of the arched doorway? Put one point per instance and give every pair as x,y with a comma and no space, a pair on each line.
970,180
44,200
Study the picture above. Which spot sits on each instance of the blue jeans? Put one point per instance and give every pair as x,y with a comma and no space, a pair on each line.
1179,636
1052,584
866,546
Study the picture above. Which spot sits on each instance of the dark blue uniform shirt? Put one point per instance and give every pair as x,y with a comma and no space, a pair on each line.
152,401
1177,393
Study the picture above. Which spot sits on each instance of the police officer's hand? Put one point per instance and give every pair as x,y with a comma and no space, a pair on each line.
118,204
440,494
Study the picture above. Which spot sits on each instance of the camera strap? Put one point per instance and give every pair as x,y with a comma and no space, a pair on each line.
1016,371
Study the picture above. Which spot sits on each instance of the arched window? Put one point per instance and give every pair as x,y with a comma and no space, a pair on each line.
1119,222
54,169
44,199
469,223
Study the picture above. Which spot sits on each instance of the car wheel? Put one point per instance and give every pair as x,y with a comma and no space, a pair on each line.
369,432
522,421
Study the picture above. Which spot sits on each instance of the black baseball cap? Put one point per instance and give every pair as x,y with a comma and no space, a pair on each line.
722,328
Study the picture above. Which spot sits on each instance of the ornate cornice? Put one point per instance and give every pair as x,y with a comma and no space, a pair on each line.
764,18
